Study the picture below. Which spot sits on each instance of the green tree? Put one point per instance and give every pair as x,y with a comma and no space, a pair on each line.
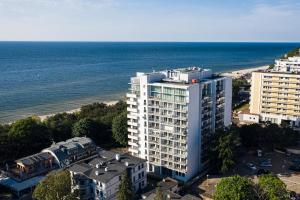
56,186
235,188
267,136
6,145
236,85
226,152
60,126
101,112
125,188
26,133
119,129
272,188
158,194
294,52
223,149
84,127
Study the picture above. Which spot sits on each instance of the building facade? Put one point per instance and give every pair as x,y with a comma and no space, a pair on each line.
290,64
72,150
22,176
171,113
275,96
99,178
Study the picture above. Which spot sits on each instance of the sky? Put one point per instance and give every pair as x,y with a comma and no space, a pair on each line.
150,20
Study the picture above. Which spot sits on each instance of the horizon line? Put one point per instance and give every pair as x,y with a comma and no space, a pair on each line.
140,41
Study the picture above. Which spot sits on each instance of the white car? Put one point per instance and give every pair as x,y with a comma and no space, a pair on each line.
266,164
251,166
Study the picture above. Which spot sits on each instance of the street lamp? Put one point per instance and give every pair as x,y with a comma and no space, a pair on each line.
207,179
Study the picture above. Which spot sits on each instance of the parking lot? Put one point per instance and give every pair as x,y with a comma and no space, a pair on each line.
274,162
279,165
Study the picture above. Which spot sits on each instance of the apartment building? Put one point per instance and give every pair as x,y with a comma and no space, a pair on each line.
22,176
171,114
99,178
275,96
290,64
71,150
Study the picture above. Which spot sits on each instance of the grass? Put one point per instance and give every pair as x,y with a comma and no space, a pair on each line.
242,106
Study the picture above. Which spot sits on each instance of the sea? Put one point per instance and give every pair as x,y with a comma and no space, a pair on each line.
39,78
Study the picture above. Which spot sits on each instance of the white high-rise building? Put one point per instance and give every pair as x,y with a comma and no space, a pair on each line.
171,114
289,64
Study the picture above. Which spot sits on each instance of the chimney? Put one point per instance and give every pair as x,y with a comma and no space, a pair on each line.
106,169
118,157
126,164
97,173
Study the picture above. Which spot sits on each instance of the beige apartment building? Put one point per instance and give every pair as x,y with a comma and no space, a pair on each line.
275,96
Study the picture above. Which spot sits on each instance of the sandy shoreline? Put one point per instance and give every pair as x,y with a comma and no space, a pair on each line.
44,117
242,72
234,74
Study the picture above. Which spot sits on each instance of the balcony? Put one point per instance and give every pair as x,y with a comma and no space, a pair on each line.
131,95
133,150
131,130
129,102
19,175
133,144
133,136
132,116
132,123
134,110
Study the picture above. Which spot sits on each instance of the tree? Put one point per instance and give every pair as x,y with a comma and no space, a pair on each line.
101,112
27,133
84,127
56,186
125,188
6,145
272,188
223,149
158,194
226,152
119,129
60,126
267,136
235,188
236,85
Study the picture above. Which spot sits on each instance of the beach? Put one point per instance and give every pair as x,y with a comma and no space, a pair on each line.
44,117
243,72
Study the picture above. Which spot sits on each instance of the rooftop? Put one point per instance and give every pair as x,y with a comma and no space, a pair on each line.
77,145
167,183
33,159
106,166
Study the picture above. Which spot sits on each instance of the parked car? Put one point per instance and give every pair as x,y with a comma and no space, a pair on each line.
262,171
251,166
266,163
